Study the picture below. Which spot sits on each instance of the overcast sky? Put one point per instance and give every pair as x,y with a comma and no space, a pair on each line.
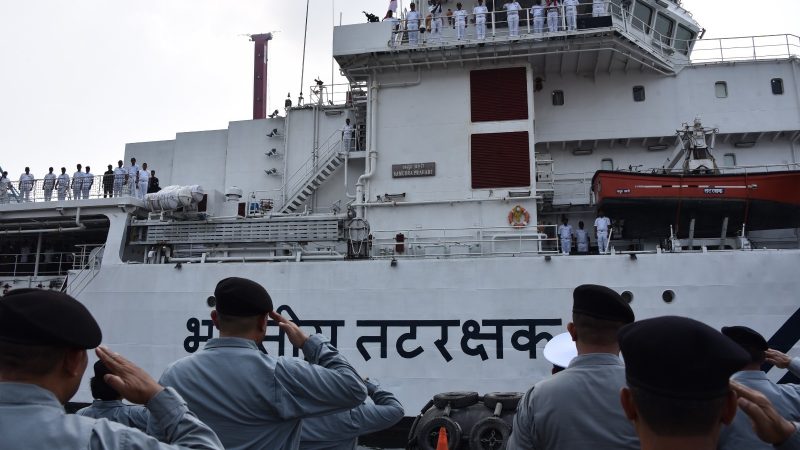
81,78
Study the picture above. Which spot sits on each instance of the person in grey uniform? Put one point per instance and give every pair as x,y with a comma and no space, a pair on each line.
108,403
768,425
784,397
251,399
340,431
677,371
578,408
44,336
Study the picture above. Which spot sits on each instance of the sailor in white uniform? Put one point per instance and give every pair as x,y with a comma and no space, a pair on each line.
144,181
480,12
537,12
86,183
119,178
436,22
62,184
26,181
602,225
582,238
133,178
571,13
48,185
565,235
460,16
396,35
598,8
77,180
512,14
5,185
552,16
412,25
347,136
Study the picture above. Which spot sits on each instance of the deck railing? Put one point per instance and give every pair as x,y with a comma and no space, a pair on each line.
41,190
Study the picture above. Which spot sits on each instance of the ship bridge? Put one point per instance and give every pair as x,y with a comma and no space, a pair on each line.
644,35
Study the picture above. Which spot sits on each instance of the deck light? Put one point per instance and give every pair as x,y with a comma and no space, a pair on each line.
744,144
658,147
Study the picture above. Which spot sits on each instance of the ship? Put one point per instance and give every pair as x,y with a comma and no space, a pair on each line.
423,240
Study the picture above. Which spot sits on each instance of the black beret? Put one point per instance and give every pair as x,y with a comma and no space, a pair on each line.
677,357
100,370
748,339
602,303
241,297
42,317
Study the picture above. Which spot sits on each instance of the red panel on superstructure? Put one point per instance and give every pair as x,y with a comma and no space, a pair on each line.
260,42
500,160
499,94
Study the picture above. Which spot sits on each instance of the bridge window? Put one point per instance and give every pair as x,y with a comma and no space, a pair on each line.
642,17
664,27
721,89
558,98
777,86
638,93
729,160
683,39
607,164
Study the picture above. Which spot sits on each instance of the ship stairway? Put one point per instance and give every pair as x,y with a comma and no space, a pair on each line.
313,174
87,266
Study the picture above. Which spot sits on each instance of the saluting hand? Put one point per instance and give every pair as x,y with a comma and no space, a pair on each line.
128,379
296,335
767,423
778,359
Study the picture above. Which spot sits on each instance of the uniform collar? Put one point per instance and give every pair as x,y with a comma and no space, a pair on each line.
750,375
107,404
593,359
231,342
24,393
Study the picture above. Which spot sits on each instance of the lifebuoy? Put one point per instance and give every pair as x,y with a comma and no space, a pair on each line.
519,217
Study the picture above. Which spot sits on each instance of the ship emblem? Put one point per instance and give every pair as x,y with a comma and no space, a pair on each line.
519,217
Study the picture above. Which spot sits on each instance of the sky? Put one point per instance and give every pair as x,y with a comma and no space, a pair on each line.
81,78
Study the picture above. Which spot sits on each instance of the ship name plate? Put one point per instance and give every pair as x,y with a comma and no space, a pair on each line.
427,169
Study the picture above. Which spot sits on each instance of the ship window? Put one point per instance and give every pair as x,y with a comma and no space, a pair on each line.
500,160
683,39
642,17
558,98
638,93
664,28
721,89
729,160
777,86
607,164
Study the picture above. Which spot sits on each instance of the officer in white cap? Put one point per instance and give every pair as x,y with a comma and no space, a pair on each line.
602,225
412,25
77,182
560,351
460,16
62,184
580,405
119,178
133,178
565,236
144,181
87,182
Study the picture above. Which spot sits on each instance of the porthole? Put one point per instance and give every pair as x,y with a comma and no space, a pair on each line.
211,301
627,296
668,296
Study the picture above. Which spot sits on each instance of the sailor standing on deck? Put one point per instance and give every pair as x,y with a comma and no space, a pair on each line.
578,408
133,178
565,235
77,180
512,15
602,225
480,12
251,399
87,182
412,25
5,184
396,35
552,16
62,184
44,336
119,178
26,181
571,13
537,12
436,21
108,182
582,239
598,8
347,136
460,16
49,184
144,181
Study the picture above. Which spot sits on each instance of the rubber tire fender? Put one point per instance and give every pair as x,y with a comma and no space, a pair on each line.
490,433
431,429
457,399
509,400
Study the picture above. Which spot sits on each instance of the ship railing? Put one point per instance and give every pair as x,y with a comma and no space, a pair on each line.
750,169
746,48
465,242
348,94
42,190
25,264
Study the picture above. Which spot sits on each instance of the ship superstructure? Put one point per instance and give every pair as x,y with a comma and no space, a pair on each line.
424,242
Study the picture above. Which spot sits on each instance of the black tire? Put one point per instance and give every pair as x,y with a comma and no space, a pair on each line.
427,406
491,433
455,399
429,433
411,443
509,400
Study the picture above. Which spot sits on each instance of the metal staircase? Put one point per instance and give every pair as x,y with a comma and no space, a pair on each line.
313,174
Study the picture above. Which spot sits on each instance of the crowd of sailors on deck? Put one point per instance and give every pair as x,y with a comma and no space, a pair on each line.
682,385
115,182
545,16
